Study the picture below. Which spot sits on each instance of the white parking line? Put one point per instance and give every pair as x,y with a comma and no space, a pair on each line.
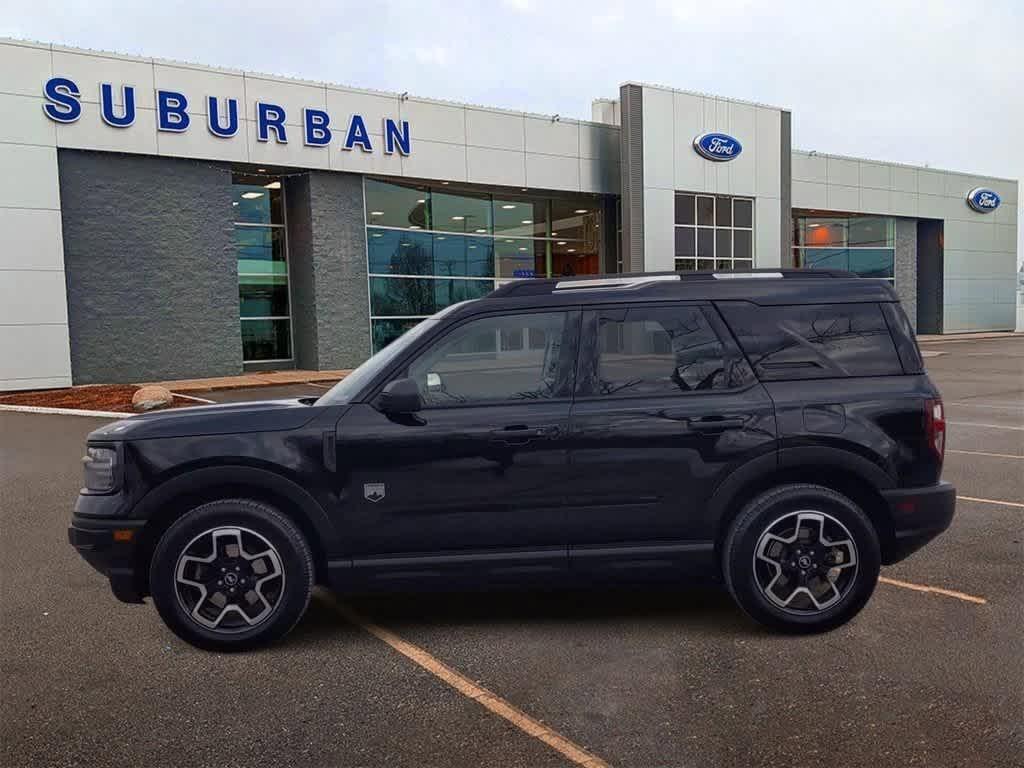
986,453
984,426
987,406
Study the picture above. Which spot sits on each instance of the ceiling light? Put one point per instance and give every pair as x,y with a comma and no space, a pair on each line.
581,210
272,185
251,195
234,202
261,170
376,213
421,200
813,225
458,218
481,230
444,183
572,250
508,206
524,189
440,237
561,242
527,221
406,245
414,226
554,234
377,234
522,249
510,241
472,247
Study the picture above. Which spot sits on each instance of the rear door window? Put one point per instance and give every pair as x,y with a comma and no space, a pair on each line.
650,351
815,341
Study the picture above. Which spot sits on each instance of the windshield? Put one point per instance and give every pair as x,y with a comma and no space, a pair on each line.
345,390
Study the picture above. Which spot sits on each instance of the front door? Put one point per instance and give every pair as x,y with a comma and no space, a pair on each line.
474,481
666,406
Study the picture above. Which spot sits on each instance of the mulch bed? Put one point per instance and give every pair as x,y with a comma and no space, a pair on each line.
101,397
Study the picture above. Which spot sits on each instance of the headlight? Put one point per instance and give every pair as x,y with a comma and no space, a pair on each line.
99,464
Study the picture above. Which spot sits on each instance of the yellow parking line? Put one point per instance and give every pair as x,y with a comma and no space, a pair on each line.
933,590
490,701
992,501
986,453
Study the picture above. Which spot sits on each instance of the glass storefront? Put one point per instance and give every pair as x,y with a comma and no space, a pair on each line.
263,298
429,246
864,245
713,232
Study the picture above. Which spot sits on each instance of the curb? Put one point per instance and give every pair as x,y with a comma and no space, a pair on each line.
65,411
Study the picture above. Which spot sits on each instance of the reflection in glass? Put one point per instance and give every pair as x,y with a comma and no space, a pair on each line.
685,206
386,331
742,244
396,296
463,212
253,203
686,242
705,243
520,217
263,295
743,213
266,340
520,258
393,205
706,211
260,250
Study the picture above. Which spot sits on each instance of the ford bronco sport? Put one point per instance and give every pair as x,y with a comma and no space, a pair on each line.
775,430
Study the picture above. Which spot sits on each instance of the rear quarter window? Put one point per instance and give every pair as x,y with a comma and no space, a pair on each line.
813,341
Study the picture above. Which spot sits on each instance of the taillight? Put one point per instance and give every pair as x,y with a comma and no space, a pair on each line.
935,427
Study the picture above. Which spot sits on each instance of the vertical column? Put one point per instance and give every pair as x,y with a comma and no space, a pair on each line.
632,170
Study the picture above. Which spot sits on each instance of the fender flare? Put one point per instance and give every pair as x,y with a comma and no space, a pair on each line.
766,466
197,480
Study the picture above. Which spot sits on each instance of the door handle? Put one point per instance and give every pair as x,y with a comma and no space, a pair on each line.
716,425
521,434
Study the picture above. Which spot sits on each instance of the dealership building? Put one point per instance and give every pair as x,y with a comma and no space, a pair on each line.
164,220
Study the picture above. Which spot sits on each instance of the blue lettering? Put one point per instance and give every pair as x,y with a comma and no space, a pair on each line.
270,116
170,111
62,100
393,136
213,118
107,106
317,133
357,134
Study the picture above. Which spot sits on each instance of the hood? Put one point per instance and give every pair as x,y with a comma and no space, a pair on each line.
229,418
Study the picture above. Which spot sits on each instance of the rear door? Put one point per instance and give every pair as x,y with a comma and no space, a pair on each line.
665,407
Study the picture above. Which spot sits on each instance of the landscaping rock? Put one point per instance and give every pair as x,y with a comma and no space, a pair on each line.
151,398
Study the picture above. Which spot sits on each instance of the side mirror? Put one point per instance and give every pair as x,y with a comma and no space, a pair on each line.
401,396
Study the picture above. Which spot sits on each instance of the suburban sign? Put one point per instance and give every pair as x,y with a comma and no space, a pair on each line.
717,146
983,200
63,105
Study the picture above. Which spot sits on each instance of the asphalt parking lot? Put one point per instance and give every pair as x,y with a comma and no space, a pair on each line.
668,678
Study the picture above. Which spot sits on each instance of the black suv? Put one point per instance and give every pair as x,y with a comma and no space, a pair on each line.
775,430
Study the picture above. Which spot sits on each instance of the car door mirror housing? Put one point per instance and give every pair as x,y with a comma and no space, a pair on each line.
401,396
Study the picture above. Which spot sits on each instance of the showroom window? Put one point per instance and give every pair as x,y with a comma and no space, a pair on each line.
430,246
713,232
864,245
263,297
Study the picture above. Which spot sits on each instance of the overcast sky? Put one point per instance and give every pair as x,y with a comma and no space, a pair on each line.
936,82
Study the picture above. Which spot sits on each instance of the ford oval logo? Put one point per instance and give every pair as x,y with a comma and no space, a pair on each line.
983,200
717,146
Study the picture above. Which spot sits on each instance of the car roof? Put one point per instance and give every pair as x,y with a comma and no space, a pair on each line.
760,286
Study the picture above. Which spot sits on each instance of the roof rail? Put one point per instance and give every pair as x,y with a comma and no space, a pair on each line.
614,281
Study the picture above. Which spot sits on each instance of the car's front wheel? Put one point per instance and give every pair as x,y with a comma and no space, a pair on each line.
801,558
232,575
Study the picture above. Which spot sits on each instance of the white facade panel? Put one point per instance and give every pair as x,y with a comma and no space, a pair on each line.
357,161
552,137
436,160
599,176
904,179
690,168
767,232
843,198
659,230
24,121
875,200
25,67
496,166
35,169
200,84
875,176
34,356
551,172
659,138
751,170
599,141
809,194
199,143
295,152
768,152
434,122
845,173
495,130
30,239
33,297
808,167
342,104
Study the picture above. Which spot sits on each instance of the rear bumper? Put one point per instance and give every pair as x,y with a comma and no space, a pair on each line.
918,516
112,556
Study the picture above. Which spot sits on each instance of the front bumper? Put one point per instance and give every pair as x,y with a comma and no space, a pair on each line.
113,556
918,516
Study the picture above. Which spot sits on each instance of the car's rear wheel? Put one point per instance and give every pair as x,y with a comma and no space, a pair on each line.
232,575
801,558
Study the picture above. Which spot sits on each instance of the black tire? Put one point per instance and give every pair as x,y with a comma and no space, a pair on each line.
774,511
283,575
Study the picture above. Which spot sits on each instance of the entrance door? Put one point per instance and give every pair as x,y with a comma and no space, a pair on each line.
666,407
474,481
